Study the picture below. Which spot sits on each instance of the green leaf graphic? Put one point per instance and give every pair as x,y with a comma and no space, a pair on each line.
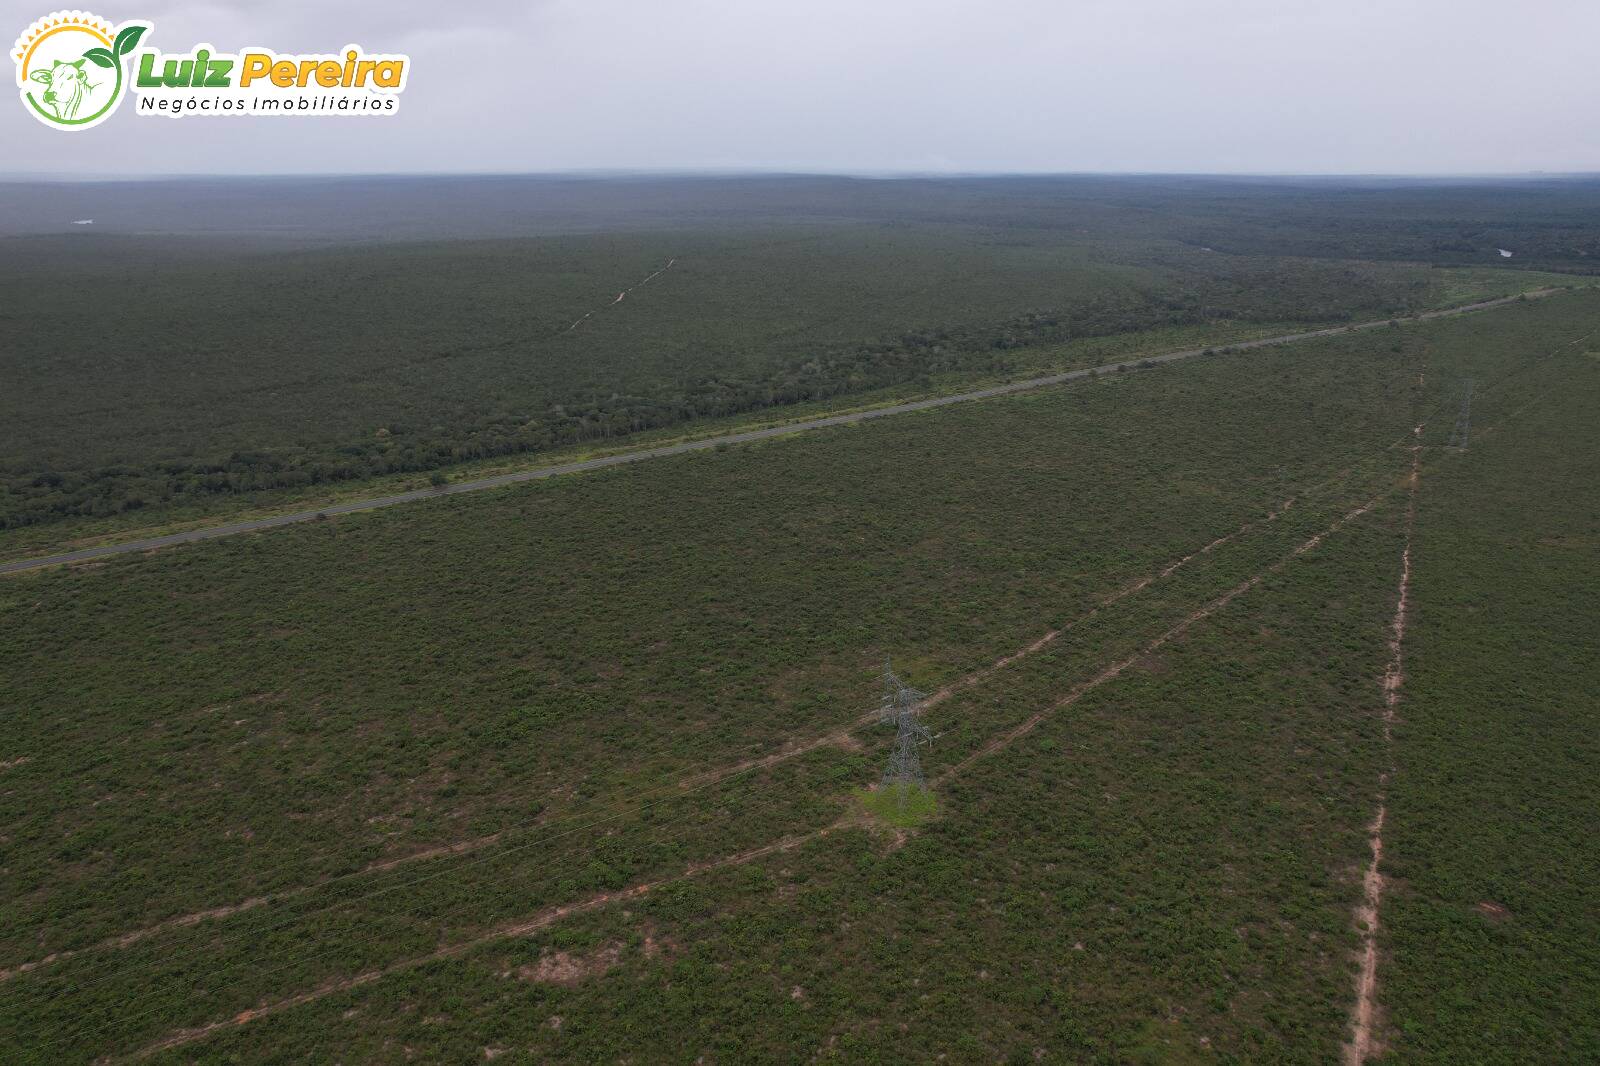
100,57
127,39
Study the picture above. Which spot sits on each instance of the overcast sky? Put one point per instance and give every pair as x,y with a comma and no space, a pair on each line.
1275,86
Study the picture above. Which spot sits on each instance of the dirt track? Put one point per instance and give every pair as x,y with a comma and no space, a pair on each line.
1364,1041
707,444
551,915
835,737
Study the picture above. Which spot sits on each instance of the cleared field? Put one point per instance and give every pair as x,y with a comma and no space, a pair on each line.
542,680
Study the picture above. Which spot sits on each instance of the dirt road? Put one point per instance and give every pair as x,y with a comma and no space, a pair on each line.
709,443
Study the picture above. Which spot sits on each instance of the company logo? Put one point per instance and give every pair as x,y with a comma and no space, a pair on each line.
70,67
73,69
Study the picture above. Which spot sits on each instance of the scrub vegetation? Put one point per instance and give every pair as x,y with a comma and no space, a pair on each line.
1493,933
573,771
150,373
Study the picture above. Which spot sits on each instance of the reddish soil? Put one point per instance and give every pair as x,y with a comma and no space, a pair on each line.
1364,1041
844,737
841,738
552,915
1117,669
521,928
564,968
122,940
623,293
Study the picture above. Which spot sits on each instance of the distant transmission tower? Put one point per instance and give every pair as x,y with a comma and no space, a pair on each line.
1458,436
902,705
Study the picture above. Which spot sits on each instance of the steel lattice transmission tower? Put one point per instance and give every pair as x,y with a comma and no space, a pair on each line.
902,706
1458,435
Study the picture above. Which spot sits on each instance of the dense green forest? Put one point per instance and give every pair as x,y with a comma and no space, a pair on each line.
240,353
1548,223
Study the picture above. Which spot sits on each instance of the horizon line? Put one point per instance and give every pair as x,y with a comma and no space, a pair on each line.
48,177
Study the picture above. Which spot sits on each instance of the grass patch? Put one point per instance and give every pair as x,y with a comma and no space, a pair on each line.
901,804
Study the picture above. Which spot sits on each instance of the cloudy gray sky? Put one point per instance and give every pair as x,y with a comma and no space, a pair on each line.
1278,86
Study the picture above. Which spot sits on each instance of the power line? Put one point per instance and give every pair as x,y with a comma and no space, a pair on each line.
1463,426
905,765
902,705
569,858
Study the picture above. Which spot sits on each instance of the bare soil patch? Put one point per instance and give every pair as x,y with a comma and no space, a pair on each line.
565,968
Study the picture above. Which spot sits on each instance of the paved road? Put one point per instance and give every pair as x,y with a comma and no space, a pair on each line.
708,443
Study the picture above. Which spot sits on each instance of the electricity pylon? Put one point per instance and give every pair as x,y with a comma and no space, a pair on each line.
1458,435
902,705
